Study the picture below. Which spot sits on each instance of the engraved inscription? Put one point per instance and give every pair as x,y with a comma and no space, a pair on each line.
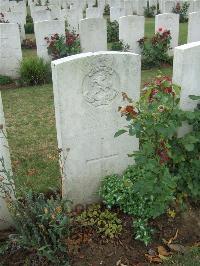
101,85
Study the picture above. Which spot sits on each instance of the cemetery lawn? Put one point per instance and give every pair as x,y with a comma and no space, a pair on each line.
30,121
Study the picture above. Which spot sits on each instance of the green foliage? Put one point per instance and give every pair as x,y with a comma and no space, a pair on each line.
150,11
62,46
182,10
5,80
143,192
34,71
166,166
120,46
104,222
29,19
106,10
29,28
155,50
42,225
112,31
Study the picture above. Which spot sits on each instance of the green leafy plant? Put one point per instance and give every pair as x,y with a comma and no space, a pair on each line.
106,10
120,46
42,225
62,46
147,190
155,51
112,31
29,28
5,80
34,71
104,222
182,10
149,11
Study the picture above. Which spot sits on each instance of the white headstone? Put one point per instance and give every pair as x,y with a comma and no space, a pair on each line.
128,6
93,35
5,218
47,29
116,13
169,21
10,49
186,72
94,12
194,27
168,6
131,30
87,94
141,5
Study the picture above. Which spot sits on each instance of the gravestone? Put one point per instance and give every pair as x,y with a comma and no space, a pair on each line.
116,13
94,12
131,30
45,29
5,218
168,6
169,21
194,27
87,94
93,35
186,74
128,6
141,5
10,49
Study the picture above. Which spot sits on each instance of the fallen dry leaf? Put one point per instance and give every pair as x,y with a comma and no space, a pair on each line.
163,252
173,238
119,263
154,259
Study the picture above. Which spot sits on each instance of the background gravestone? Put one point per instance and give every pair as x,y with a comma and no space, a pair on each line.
5,218
93,34
87,94
10,49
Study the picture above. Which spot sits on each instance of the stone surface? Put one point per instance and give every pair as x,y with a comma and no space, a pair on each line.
10,49
116,13
5,218
169,21
93,35
131,30
94,12
186,72
87,94
194,27
47,29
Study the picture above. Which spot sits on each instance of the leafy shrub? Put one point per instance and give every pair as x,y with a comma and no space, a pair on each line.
34,71
182,11
147,189
5,80
29,19
149,11
112,31
155,51
62,46
120,46
42,225
104,222
29,44
29,28
106,10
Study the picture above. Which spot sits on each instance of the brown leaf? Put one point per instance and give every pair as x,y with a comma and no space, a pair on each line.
162,251
177,248
173,238
154,259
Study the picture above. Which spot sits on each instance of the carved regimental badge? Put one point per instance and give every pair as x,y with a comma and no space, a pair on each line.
102,84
